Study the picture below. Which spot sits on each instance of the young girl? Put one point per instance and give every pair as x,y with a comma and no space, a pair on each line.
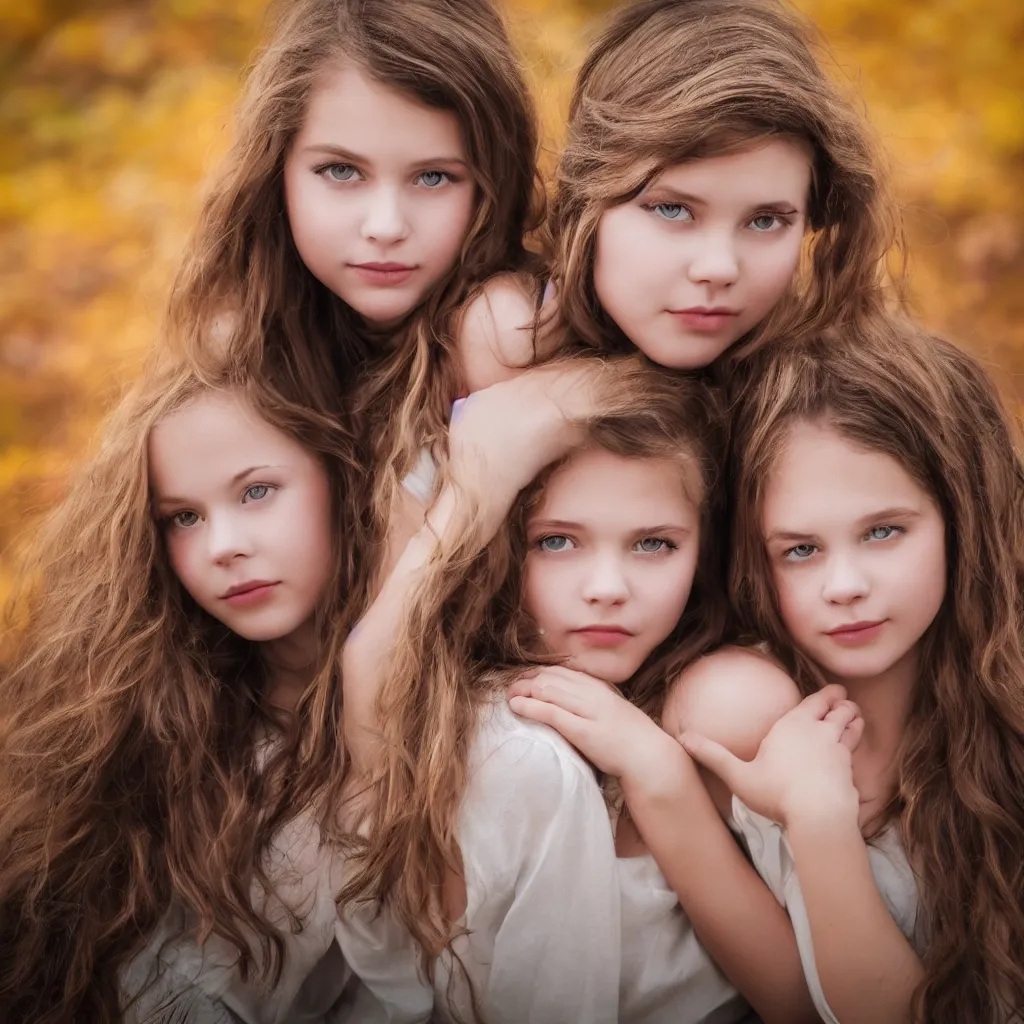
879,544
171,716
715,188
489,841
383,168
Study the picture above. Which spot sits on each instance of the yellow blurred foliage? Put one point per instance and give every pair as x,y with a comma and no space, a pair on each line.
111,114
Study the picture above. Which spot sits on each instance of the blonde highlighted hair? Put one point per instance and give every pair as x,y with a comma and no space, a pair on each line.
131,720
887,386
670,81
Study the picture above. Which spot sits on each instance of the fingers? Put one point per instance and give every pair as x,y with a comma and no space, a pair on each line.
853,734
572,691
840,716
571,726
713,756
819,704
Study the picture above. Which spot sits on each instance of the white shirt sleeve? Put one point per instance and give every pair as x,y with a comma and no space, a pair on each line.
542,884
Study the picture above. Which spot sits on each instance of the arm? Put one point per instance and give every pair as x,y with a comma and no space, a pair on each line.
734,914
535,834
802,779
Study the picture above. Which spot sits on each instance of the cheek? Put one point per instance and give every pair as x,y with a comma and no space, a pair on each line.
539,591
795,601
774,269
181,553
613,267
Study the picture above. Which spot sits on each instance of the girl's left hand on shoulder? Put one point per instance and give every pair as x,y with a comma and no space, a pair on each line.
614,735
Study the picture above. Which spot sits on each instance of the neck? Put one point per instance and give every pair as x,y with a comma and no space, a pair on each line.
290,662
884,701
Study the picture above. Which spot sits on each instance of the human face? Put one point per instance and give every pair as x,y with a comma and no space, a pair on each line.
246,516
704,253
379,194
613,548
858,554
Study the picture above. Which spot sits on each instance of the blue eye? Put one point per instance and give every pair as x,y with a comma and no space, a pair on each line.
766,222
183,520
257,492
431,179
883,532
800,552
338,172
670,211
555,542
653,545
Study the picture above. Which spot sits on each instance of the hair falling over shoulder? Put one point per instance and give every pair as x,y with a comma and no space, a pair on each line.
130,724
243,292
669,81
466,634
889,387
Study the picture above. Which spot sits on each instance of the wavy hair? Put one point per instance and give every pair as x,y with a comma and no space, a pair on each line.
467,633
243,292
670,81
889,387
130,725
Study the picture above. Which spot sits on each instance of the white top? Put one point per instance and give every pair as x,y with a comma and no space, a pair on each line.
559,929
201,985
421,480
772,856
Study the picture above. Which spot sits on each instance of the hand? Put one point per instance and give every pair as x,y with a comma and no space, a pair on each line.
614,735
803,766
504,435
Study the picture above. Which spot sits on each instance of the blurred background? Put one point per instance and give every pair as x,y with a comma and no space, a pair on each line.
112,113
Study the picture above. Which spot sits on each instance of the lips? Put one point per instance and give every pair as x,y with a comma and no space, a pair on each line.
249,592
383,273
603,636
854,633
705,318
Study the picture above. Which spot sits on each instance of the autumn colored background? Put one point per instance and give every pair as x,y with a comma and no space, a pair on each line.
112,112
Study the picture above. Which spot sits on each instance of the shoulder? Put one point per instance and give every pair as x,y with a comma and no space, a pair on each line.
528,751
495,336
733,696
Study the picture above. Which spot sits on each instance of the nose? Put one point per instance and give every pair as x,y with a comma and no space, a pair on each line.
605,580
714,260
227,539
384,217
844,582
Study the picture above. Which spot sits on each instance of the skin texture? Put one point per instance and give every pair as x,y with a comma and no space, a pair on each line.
239,501
721,232
376,177
627,563
852,538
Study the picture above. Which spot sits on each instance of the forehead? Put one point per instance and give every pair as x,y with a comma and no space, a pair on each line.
597,485
348,108
210,439
822,477
766,172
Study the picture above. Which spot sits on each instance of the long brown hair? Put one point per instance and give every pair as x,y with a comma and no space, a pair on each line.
244,293
467,632
129,722
890,388
670,81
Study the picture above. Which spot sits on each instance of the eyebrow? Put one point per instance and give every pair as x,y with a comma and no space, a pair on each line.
161,500
643,531
674,195
329,149
895,512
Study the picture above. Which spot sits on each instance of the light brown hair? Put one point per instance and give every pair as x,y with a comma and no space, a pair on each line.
670,81
888,387
130,725
467,633
243,293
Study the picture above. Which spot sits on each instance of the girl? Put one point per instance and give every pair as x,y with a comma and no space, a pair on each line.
383,168
715,188
171,714
879,544
488,840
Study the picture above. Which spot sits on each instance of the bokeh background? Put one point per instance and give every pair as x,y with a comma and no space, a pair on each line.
113,111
